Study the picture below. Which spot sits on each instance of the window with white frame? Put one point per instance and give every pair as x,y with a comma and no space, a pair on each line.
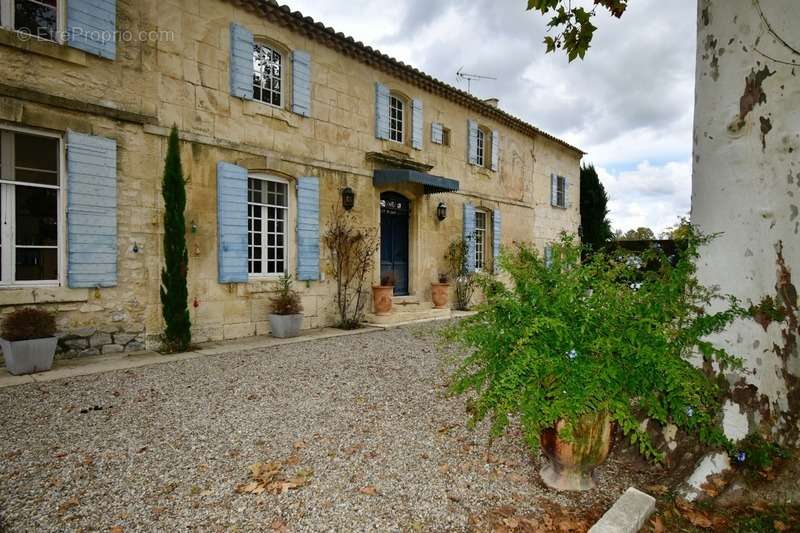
267,216
480,159
267,75
39,18
397,119
30,208
561,191
481,218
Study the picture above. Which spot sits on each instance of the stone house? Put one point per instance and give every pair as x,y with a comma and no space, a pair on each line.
278,115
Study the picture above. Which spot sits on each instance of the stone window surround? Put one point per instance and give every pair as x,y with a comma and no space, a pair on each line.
62,202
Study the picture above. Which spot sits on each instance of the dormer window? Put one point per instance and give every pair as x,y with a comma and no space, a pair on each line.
267,75
38,18
397,107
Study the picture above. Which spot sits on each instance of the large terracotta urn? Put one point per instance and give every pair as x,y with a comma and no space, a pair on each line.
382,299
570,465
440,294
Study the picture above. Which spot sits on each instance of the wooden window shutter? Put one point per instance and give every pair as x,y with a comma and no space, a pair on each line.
382,110
92,26
232,223
301,83
91,211
469,235
241,63
308,264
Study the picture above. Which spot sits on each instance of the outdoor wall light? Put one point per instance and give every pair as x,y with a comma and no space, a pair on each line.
348,198
441,211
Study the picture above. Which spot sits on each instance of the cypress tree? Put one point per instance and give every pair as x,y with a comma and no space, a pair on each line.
594,209
174,294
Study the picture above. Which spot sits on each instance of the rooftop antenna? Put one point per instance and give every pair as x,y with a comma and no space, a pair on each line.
461,75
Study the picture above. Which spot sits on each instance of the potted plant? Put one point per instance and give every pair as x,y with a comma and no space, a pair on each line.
382,294
574,351
440,292
28,341
286,317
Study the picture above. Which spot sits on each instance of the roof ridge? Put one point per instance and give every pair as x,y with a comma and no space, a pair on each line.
317,30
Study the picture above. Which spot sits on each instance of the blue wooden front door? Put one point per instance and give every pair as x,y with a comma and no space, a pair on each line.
395,211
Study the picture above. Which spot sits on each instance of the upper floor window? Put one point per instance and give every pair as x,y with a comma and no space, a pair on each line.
560,192
267,216
397,122
481,159
30,208
39,18
267,75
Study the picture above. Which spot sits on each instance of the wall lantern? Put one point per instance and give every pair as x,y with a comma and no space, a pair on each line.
348,198
441,211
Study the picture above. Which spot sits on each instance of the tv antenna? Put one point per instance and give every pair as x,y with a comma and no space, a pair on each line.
461,75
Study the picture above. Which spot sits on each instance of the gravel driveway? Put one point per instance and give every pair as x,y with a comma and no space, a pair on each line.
164,447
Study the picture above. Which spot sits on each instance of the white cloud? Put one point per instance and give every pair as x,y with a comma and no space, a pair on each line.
650,196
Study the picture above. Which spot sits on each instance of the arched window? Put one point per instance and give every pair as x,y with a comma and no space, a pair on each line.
397,118
268,67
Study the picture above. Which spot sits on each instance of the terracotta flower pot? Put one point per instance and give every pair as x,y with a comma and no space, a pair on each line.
440,293
382,299
571,464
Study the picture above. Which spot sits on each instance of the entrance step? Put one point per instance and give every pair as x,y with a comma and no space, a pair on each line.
400,316
409,303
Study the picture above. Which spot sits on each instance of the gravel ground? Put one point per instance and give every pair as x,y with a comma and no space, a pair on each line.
164,447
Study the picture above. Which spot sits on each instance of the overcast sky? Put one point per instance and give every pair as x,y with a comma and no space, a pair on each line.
629,104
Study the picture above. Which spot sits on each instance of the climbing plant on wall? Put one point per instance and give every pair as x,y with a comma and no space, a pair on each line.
174,294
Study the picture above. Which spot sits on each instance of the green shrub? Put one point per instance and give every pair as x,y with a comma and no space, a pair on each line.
28,323
569,338
286,301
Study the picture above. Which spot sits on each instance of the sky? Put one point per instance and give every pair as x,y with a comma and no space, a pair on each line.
628,104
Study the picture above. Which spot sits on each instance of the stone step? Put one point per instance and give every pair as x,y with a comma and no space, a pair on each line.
400,316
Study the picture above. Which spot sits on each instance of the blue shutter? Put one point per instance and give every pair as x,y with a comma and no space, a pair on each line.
301,83
548,256
553,190
91,211
497,228
437,133
495,150
469,235
417,122
308,228
382,105
92,25
472,142
232,223
241,64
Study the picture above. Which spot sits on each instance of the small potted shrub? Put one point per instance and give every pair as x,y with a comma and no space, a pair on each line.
382,294
286,317
440,292
28,341
576,351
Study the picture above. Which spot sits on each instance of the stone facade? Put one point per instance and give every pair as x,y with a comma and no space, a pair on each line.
182,78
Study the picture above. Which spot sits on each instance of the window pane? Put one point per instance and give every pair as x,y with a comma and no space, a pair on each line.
36,159
37,18
36,216
37,264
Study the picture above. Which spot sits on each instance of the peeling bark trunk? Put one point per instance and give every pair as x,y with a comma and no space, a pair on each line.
746,185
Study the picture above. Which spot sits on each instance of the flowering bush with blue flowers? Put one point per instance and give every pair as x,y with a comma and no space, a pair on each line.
567,338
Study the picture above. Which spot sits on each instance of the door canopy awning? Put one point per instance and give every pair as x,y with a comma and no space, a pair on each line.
432,184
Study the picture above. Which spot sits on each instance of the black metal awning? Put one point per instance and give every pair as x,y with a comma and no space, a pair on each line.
432,184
